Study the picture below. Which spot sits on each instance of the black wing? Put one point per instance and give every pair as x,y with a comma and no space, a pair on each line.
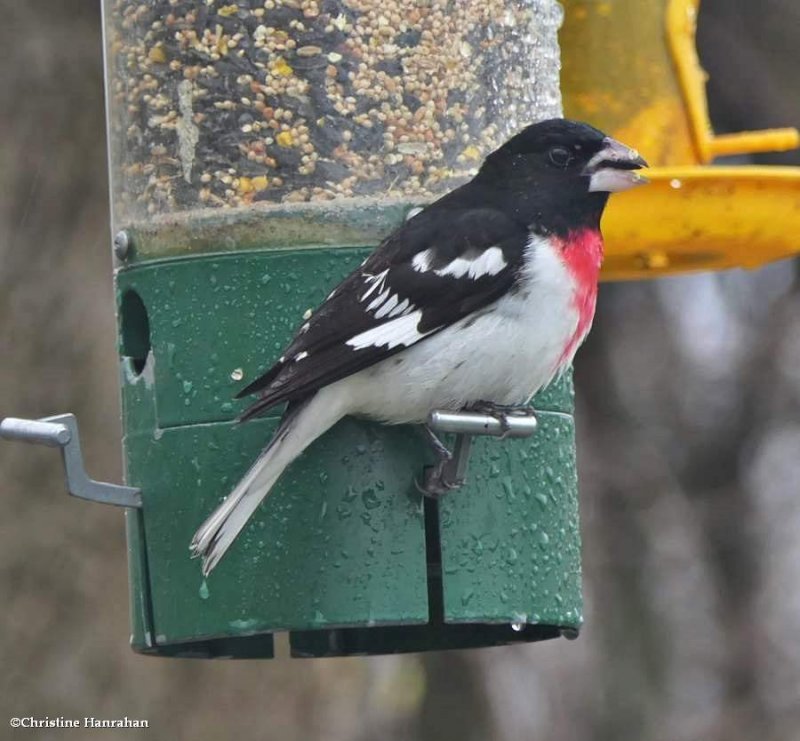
440,266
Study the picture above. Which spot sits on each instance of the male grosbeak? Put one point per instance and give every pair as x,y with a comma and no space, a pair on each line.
482,298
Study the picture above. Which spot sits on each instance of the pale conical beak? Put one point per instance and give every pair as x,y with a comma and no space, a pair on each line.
614,167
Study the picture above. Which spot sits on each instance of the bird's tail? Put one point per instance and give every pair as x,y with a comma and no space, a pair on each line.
302,423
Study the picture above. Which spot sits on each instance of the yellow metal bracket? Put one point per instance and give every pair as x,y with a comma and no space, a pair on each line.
631,68
694,218
681,24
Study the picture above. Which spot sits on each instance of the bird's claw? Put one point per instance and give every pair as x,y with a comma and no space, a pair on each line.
436,481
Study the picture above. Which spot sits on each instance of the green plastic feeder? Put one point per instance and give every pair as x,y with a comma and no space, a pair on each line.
257,156
345,554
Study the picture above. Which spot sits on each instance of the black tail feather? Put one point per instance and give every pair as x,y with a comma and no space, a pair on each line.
265,404
261,382
254,410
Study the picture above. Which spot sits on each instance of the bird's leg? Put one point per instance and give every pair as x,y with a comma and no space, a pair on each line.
441,477
440,450
501,412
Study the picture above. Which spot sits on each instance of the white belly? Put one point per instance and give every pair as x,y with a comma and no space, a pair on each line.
504,354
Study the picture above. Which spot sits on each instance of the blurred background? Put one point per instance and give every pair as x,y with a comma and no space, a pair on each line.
689,433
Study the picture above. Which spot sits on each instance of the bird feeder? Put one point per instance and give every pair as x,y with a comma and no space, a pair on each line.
631,68
258,153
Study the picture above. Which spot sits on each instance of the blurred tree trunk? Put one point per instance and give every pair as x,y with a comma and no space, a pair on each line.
455,704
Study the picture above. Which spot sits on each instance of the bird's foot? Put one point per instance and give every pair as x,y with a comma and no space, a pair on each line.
502,412
440,478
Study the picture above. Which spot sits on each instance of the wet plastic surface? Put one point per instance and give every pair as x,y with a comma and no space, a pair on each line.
344,553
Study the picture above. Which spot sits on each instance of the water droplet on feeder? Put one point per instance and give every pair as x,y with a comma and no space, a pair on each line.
203,591
675,183
237,374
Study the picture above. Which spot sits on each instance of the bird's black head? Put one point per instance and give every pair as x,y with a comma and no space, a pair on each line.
558,174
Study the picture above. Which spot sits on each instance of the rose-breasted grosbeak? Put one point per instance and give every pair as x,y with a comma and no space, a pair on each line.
482,297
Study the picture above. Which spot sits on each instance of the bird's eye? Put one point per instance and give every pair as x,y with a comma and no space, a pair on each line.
560,156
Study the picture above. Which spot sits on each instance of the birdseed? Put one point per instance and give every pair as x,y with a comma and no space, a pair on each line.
220,104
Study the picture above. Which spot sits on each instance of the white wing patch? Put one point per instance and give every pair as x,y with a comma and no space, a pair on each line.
400,331
378,300
300,356
422,261
387,306
376,282
488,262
404,307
